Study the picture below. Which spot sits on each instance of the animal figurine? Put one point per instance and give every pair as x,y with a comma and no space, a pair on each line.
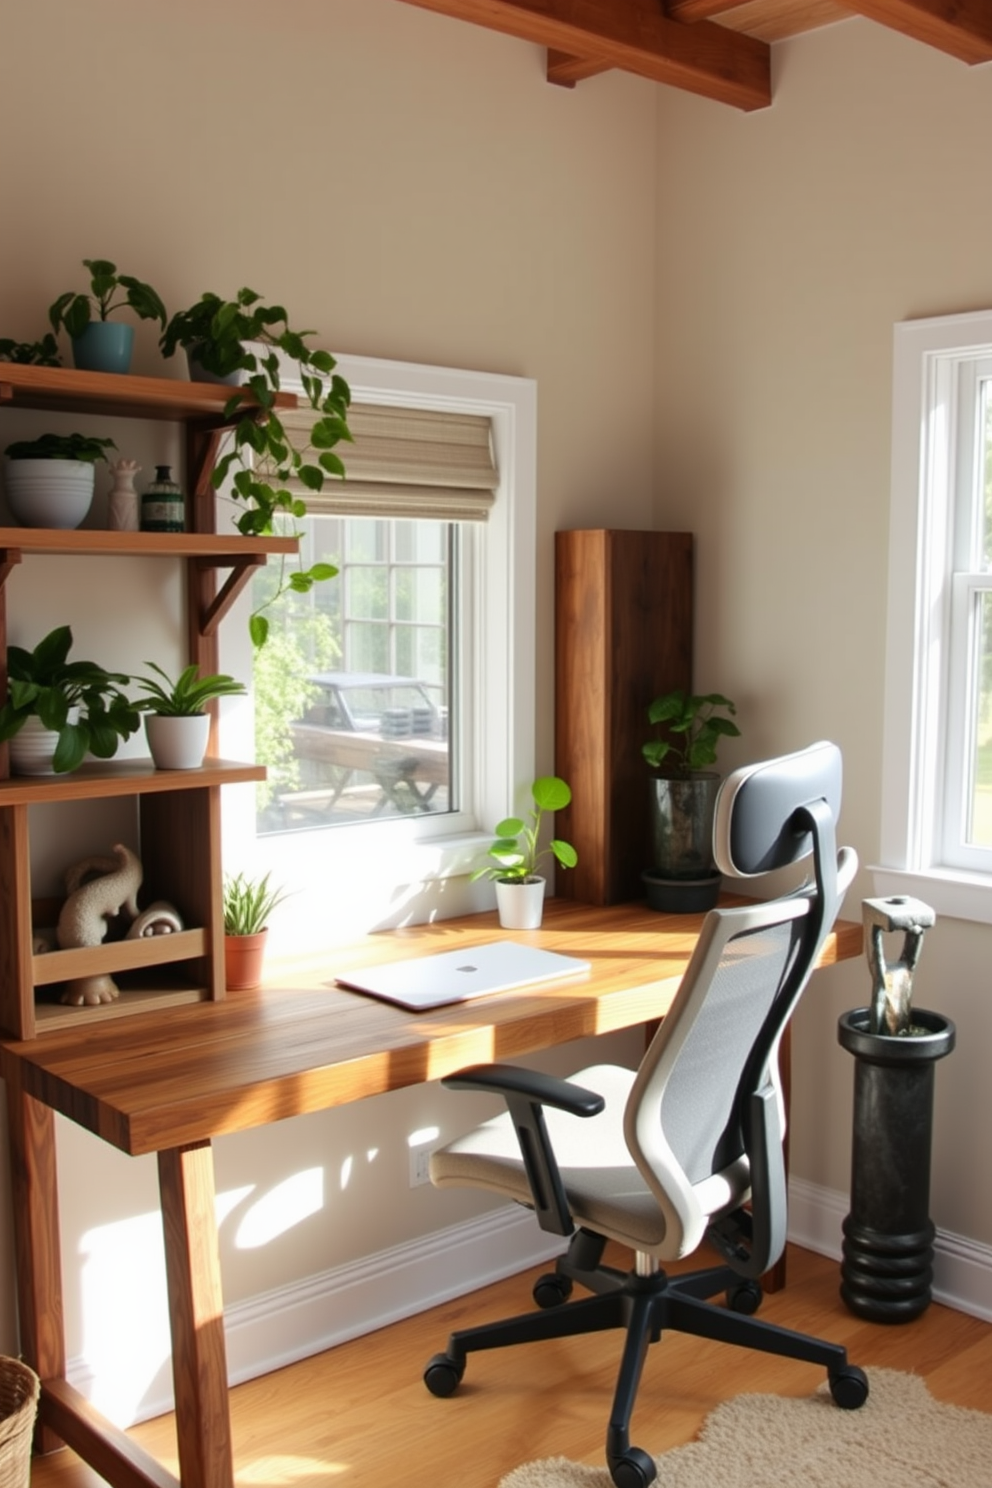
99,888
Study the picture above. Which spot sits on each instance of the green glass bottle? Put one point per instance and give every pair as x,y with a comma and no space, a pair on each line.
162,506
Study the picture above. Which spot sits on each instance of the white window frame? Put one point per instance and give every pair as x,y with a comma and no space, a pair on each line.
935,368
400,870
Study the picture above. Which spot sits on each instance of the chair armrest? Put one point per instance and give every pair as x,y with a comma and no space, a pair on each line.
526,1092
547,1090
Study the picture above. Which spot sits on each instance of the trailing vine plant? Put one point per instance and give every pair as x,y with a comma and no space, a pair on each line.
244,336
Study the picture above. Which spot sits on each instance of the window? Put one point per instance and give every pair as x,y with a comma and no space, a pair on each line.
447,608
937,781
353,690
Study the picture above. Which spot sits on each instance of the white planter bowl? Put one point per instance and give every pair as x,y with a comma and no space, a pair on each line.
32,749
49,493
177,743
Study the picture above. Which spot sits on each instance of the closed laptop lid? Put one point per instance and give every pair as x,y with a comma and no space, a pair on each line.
455,976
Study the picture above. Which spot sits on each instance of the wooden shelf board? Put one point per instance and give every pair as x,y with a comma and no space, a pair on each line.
53,1017
77,541
122,778
66,390
117,956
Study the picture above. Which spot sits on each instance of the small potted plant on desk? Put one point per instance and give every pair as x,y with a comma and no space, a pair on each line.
176,724
516,855
683,877
248,903
100,344
57,711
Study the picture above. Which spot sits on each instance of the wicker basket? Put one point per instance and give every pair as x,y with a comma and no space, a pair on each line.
19,1390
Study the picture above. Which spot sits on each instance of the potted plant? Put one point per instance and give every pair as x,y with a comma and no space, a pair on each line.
683,876
516,855
102,344
243,339
57,711
43,353
49,481
176,723
248,903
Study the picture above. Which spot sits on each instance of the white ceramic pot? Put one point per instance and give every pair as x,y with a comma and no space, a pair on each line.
49,493
177,743
520,903
32,749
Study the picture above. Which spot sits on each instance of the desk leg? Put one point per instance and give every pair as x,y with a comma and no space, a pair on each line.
37,1243
199,1356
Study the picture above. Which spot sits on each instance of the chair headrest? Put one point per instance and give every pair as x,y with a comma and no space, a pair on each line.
754,829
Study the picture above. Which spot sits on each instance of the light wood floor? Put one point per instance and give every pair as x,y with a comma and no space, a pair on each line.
359,1416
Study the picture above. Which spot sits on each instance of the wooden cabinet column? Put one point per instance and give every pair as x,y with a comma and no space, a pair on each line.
623,635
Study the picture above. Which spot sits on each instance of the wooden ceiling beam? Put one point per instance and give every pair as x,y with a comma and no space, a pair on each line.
701,10
634,36
961,27
566,71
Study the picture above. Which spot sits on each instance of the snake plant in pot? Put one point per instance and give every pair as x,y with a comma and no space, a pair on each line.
683,876
177,724
248,904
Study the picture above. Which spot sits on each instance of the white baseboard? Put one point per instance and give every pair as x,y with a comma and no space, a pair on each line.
962,1269
307,1317
279,1327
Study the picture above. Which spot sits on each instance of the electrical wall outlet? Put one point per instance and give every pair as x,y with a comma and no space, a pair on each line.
420,1158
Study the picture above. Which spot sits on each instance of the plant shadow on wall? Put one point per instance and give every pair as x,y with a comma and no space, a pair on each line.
243,341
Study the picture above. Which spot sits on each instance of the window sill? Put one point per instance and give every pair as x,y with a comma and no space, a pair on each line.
952,892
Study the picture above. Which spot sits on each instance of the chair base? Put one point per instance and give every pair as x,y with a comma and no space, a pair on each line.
643,1306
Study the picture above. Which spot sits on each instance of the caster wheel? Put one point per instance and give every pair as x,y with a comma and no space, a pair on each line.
849,1387
552,1290
745,1297
635,1469
443,1374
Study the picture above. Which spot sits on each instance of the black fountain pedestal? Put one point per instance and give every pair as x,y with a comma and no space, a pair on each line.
888,1236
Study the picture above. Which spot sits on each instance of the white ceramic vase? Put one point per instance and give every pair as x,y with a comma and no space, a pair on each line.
520,903
177,743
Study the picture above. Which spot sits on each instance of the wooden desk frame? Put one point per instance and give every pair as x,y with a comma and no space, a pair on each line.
170,1082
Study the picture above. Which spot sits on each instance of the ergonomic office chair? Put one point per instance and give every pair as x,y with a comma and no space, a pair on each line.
689,1146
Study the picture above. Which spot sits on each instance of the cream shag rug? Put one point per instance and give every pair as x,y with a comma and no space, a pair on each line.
900,1436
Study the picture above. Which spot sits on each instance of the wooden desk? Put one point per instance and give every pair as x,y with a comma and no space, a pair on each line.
170,1082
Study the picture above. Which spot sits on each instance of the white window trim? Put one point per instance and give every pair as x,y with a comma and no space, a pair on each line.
918,633
390,873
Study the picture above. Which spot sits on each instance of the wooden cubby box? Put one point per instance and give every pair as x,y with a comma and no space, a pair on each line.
177,812
623,636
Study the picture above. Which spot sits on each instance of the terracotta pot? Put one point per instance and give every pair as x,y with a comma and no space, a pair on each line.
243,957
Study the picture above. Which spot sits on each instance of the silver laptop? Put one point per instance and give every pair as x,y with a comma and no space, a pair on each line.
456,976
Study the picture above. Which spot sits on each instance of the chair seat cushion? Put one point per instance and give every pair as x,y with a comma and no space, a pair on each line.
606,1193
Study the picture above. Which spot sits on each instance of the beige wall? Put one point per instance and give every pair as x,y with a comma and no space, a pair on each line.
790,242
413,188
697,292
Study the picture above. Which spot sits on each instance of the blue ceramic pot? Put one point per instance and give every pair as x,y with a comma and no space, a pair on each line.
104,346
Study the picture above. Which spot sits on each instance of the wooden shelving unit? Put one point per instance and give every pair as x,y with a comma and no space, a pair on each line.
178,811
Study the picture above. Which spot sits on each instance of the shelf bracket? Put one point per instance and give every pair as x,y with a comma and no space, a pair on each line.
242,568
8,558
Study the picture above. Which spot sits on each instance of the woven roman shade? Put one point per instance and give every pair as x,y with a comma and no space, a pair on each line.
405,462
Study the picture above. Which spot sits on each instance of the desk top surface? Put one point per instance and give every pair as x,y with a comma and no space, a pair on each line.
297,1045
